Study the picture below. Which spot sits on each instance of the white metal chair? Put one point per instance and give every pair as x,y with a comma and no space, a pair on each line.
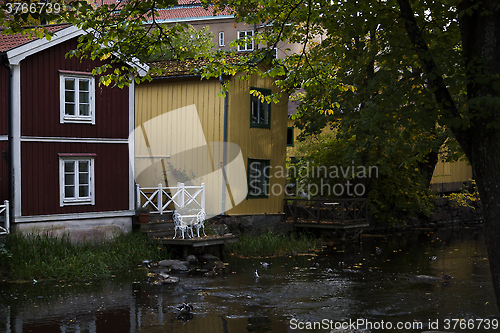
200,222
181,225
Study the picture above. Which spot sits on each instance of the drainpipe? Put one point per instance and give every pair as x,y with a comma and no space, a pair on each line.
10,161
224,141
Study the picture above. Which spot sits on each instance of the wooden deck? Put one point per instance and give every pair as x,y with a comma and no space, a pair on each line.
163,231
337,214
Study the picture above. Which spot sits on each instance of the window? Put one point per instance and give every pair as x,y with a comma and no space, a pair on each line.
258,178
246,35
289,136
260,110
76,179
77,98
221,38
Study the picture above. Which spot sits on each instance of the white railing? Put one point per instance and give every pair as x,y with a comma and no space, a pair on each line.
167,199
5,210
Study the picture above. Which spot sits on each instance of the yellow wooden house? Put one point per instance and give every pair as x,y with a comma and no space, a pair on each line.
186,131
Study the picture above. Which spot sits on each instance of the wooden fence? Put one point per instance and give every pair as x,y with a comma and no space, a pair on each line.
4,209
162,199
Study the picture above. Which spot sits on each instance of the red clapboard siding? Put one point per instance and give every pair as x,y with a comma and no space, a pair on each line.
4,84
40,97
40,177
4,182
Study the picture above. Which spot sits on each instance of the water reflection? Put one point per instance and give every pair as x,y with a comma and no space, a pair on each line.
350,282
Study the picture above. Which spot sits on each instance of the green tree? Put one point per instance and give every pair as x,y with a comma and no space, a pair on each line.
189,43
127,29
425,67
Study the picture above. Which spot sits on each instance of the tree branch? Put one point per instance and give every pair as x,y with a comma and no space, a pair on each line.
435,79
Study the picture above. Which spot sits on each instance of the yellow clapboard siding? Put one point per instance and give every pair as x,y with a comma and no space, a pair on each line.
259,143
451,172
162,96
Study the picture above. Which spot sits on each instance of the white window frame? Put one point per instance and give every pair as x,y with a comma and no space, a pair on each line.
221,38
275,52
245,34
76,200
76,118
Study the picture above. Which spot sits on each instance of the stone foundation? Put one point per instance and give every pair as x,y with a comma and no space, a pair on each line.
252,224
78,230
447,213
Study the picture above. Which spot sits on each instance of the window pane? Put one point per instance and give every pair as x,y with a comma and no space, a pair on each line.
69,191
69,167
84,97
84,110
69,96
84,191
256,176
83,166
69,110
83,85
255,109
83,178
69,179
264,119
69,84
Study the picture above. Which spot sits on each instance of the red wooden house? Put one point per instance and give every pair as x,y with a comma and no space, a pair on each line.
63,138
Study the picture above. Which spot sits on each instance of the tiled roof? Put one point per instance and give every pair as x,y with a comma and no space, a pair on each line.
177,67
8,42
173,68
186,9
110,2
176,13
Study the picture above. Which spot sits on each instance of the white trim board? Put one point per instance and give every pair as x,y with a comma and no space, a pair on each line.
4,138
76,216
194,19
131,143
72,140
17,54
16,139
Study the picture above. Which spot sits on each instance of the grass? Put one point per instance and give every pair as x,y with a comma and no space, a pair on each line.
28,257
271,244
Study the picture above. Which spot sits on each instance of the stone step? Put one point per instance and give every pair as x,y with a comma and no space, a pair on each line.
157,226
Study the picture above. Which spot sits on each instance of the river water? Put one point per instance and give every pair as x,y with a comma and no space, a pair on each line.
355,286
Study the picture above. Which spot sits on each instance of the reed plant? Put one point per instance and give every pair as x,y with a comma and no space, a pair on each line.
272,244
32,256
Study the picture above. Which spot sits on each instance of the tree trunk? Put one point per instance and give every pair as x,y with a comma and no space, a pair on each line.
480,31
485,161
480,40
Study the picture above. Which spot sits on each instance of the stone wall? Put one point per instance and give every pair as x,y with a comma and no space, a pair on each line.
448,212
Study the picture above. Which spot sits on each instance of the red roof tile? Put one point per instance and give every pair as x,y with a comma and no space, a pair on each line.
188,12
110,2
184,10
8,42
